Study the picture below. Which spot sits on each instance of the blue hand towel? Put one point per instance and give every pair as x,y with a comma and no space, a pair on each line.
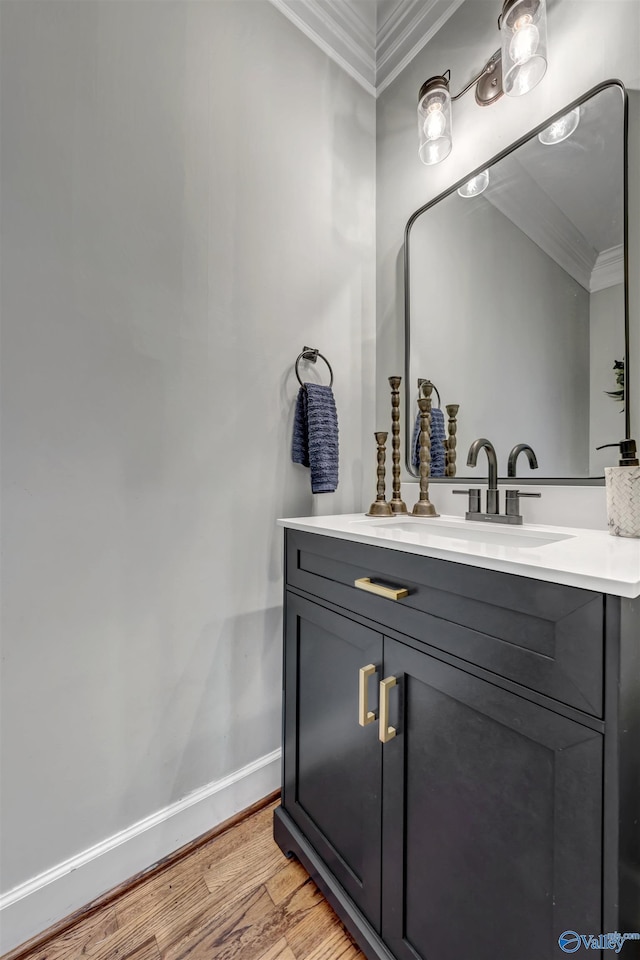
438,436
315,436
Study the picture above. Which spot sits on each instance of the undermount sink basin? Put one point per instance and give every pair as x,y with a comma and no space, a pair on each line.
422,530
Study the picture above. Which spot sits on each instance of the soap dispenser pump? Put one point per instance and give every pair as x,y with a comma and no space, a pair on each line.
623,490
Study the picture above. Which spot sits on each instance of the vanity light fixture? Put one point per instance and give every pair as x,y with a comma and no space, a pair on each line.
523,28
560,129
475,186
434,120
515,69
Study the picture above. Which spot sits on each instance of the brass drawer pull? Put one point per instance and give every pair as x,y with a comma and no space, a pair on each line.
390,593
386,732
365,715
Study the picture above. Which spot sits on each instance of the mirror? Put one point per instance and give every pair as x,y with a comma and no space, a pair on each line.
515,297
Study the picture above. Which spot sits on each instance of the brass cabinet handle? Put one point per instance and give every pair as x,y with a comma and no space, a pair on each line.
365,715
391,593
386,732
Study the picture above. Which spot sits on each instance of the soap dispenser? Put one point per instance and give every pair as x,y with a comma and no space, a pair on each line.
623,491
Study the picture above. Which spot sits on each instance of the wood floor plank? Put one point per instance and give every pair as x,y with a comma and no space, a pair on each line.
260,825
237,897
246,931
81,939
229,882
123,943
337,945
286,880
147,951
313,929
219,935
186,890
243,869
227,888
303,899
162,914
280,951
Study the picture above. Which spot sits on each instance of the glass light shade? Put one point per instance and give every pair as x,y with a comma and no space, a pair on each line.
523,29
475,186
560,129
434,121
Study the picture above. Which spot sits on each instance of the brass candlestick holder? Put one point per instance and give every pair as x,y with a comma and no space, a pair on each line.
424,507
396,503
380,507
452,411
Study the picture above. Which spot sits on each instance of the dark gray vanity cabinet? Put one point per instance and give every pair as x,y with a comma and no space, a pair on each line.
492,818
500,814
333,786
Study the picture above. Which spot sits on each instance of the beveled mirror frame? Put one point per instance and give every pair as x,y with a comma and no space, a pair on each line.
410,390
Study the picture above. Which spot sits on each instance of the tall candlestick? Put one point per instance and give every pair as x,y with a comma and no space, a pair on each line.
424,507
380,507
397,503
452,410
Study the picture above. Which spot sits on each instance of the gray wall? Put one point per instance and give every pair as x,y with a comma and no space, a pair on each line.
606,345
608,29
188,197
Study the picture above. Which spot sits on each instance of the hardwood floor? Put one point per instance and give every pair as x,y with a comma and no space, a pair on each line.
237,897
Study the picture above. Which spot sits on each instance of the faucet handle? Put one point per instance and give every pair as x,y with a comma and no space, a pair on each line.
474,498
512,506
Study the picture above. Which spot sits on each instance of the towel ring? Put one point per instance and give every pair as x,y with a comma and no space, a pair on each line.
437,392
308,353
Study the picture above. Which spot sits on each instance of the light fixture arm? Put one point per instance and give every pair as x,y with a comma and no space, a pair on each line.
491,90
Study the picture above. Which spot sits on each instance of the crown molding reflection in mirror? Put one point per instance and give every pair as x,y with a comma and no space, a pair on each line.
560,212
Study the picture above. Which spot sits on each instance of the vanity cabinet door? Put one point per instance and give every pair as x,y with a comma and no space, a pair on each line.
492,819
332,765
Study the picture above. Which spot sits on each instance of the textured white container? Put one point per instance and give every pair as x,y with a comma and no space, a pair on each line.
623,501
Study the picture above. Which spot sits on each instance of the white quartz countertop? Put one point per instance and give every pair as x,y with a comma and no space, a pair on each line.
591,559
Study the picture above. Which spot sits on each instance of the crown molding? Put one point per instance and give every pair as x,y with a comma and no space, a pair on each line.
372,53
343,38
362,30
608,269
410,27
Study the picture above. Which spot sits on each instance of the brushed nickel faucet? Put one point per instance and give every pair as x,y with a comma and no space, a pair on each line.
512,509
515,453
493,497
512,504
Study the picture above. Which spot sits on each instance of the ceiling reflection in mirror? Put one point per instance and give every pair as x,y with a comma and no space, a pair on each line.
516,296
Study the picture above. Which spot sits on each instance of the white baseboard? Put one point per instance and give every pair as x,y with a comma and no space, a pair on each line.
40,902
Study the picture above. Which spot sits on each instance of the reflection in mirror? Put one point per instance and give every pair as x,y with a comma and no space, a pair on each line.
516,295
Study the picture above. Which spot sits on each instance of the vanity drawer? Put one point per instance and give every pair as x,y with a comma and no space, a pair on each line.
544,636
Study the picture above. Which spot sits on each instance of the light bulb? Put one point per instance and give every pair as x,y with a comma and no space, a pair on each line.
560,129
433,151
525,40
434,120
435,123
475,186
523,27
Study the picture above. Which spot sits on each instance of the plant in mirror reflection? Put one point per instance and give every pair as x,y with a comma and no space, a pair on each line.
618,394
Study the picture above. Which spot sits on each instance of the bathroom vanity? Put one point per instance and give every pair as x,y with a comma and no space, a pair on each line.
461,771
